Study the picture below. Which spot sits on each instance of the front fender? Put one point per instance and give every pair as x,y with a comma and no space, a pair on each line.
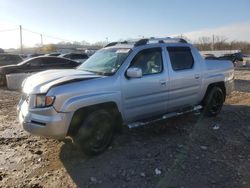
76,102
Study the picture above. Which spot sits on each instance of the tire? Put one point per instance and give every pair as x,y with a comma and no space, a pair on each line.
96,132
214,102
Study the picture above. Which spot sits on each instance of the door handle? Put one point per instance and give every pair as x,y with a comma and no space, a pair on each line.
197,76
163,82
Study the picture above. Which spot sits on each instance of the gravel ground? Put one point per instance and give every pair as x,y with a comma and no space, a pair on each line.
187,151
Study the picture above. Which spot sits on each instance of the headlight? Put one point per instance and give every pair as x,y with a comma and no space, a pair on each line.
44,101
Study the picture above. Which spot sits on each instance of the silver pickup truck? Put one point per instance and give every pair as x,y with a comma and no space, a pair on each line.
131,83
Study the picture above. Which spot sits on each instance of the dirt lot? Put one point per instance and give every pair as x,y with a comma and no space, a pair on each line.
188,151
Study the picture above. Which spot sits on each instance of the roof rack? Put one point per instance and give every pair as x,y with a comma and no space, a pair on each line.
141,42
115,43
111,44
149,41
167,39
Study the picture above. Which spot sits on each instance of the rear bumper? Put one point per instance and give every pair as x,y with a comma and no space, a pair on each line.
229,86
44,122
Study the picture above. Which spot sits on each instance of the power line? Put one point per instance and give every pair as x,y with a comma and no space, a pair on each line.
49,36
57,38
7,30
31,31
20,29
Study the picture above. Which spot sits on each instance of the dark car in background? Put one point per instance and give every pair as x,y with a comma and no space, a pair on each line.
9,59
35,55
53,54
232,57
210,57
36,64
79,57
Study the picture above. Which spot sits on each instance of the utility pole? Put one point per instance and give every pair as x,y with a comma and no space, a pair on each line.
41,42
21,39
213,43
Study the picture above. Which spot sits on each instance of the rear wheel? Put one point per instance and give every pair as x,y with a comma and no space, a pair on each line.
96,132
214,102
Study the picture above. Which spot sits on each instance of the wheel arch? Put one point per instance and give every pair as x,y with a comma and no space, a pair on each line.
81,113
212,85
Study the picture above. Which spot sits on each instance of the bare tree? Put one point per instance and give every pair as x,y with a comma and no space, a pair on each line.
204,43
85,43
220,43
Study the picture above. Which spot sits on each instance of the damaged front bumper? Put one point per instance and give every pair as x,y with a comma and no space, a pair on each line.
43,121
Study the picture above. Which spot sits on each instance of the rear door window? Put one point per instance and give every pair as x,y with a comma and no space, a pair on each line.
67,56
56,62
79,56
62,62
35,62
181,58
48,62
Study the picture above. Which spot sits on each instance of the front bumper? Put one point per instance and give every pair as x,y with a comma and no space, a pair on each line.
43,121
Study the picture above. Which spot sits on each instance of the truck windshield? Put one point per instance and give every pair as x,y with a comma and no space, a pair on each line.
105,61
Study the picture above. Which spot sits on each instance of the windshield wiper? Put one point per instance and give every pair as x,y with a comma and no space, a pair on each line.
98,73
87,70
104,73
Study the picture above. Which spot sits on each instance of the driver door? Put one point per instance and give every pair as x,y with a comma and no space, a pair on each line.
146,97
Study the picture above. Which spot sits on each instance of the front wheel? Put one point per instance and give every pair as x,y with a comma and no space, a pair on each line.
214,102
96,132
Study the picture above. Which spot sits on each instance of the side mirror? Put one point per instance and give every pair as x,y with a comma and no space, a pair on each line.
134,72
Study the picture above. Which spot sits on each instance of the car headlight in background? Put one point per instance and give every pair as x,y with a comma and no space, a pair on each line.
44,101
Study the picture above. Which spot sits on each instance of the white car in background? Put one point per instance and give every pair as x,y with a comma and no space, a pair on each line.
78,57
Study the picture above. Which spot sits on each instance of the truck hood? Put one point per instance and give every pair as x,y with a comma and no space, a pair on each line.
43,81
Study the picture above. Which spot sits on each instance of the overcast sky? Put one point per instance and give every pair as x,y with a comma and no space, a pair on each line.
97,20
